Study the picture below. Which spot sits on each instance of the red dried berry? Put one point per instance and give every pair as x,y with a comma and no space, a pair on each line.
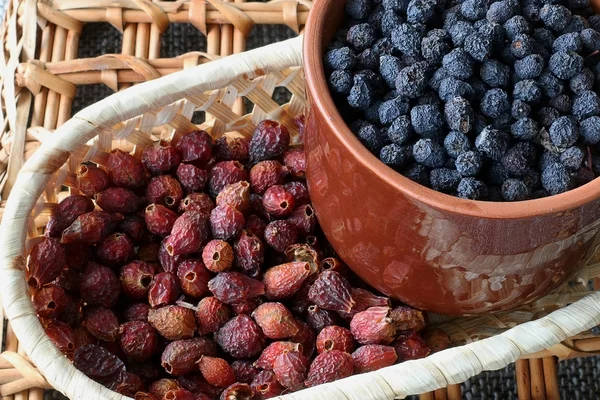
66,212
195,147
373,326
134,227
77,255
69,280
290,369
232,149
49,301
163,290
318,318
331,291
168,262
241,337
372,357
116,249
211,315
225,173
270,140
226,222
200,202
271,352
235,287
90,228
265,385
237,391
256,207
99,286
192,178
255,225
145,396
246,307
164,190
136,278
119,200
407,318
190,232
160,157
173,322
62,336
216,371
280,235
138,340
137,312
149,371
249,253
180,357
304,219
237,195
99,364
305,337
159,219
278,202
91,179
365,299
197,384
275,320
148,252
299,191
179,394
160,387
335,338
125,170
102,323
244,371
129,385
217,256
436,340
193,278
283,281
73,314
295,160
83,337
266,174
410,346
328,367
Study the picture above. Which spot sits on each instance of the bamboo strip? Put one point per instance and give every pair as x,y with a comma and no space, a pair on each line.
523,380
441,394
551,378
538,387
154,44
454,392
142,41
39,106
427,396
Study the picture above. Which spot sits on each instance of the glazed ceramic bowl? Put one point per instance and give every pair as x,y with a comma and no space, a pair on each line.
433,251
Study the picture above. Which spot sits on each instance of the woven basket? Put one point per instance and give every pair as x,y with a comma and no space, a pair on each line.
163,108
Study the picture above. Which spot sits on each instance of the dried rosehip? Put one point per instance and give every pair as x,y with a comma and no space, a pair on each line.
265,385
232,149
83,337
149,371
148,252
129,385
99,286
136,278
266,174
179,394
197,384
305,337
193,278
274,350
234,287
163,290
301,302
49,301
66,212
173,322
299,191
237,195
241,337
256,207
295,160
304,219
280,235
318,318
225,173
200,202
217,256
211,315
77,255
138,340
102,323
237,391
331,292
192,178
168,262
365,299
90,228
372,357
162,386
278,202
216,371
270,140
137,312
125,170
290,369
91,179
436,340
335,338
275,320
244,371
134,227
328,367
283,281
334,264
159,219
410,346
255,225
62,336
145,396
160,157
119,200
190,232
99,364
195,147
73,314
249,253
373,326
246,307
226,222
164,190
180,357
116,249
46,261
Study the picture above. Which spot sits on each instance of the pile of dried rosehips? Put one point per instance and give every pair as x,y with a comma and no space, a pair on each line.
200,272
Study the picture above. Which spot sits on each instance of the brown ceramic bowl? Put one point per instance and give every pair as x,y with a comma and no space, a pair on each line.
428,249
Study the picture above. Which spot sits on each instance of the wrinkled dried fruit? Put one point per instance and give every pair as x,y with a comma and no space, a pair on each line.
179,394
265,385
335,338
134,227
372,357
91,179
217,256
200,202
270,140
225,173
235,287
278,202
226,222
149,371
407,318
318,318
49,301
102,323
148,252
197,384
304,219
255,225
295,160
247,307
410,346
232,149
256,207
290,369
99,364
129,385
331,292
237,195
145,396
99,286
164,190
119,200
328,367
249,253
116,249
163,290
195,147
168,262
62,336
138,340
283,281
69,280
160,157
436,340
280,235
299,191
211,315
237,391
275,320
305,337
216,371
365,299
90,228
162,386
173,322
77,255
274,350
244,371
159,219
193,278
373,326
190,232
66,212
333,264
180,357
136,278
125,170
241,337
46,261
73,313
83,337
137,312
192,178
266,174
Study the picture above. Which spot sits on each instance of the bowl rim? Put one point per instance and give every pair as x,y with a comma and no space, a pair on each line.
320,98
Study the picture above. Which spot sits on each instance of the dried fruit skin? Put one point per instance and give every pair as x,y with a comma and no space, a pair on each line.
237,195
77,255
72,315
90,228
116,249
129,385
217,255
280,235
99,286
317,318
226,222
197,384
306,338
163,290
299,191
137,312
232,149
275,320
173,322
159,219
193,278
102,323
283,281
216,371
134,227
328,367
180,357
83,337
49,301
265,385
373,326
125,170
266,174
136,278
148,252
145,396
295,160
66,212
179,394
244,371
62,336
256,207
160,387
247,307
436,340
365,299
304,219
234,287
200,202
249,253
290,369
271,352
91,179
119,200
168,262
335,338
270,140
99,364
237,391
164,190
278,202
190,232
331,292
46,261
410,346
138,340
69,280
225,173
407,318
160,157
192,178
372,357
195,147
211,315
241,337
255,225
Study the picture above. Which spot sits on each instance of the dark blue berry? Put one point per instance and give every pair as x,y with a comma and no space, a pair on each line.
407,39
478,46
452,87
456,143
391,109
495,102
361,95
591,40
522,45
525,129
515,26
594,21
341,82
527,90
426,120
395,156
434,46
459,31
444,179
555,17
342,58
515,161
412,80
451,16
589,129
577,24
562,103
458,64
429,153
520,109
371,137
420,10
572,158
400,131
563,132
492,143
473,9
529,67
556,179
429,97
547,115
372,113
459,115
586,104
468,163
389,21
582,82
550,84
417,173
361,36
384,46
358,9
502,122
496,174
389,68
471,188
515,190
395,5
565,65
568,42
438,76
500,12
544,36
479,88
367,60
